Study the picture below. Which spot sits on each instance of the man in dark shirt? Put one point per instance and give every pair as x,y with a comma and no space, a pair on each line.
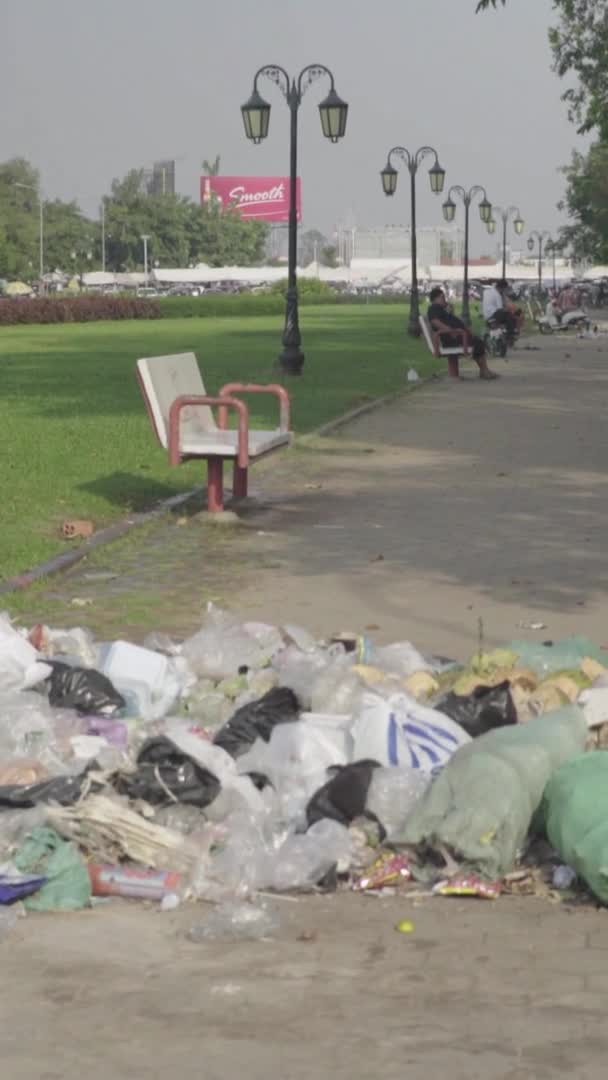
442,320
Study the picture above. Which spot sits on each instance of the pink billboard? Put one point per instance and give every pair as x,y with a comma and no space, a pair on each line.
264,198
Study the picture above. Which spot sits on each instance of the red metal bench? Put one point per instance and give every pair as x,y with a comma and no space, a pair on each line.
182,418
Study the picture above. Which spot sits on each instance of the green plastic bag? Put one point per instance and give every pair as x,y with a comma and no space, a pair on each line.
480,807
68,887
564,655
574,812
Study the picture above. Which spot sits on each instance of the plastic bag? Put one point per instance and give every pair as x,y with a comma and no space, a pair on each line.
64,790
77,643
165,774
488,707
237,793
575,815
15,886
298,670
401,658
296,759
547,658
68,887
480,807
304,859
236,922
83,689
221,647
401,731
21,665
336,688
279,706
343,798
393,794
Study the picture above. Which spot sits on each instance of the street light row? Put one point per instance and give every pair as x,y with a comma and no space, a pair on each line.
333,112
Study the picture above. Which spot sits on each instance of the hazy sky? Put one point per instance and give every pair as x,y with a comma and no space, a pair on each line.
91,88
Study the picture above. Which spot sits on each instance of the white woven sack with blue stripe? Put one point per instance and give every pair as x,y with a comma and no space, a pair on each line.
398,730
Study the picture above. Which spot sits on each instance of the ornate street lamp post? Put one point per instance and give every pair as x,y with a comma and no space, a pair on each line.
389,185
518,225
256,118
542,238
485,213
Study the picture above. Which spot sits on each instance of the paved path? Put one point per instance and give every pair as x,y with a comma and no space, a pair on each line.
456,503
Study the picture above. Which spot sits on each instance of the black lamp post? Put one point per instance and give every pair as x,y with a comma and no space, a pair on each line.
542,238
518,225
551,247
485,213
256,118
389,185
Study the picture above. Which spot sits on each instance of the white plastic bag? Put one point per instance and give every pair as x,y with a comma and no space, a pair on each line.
21,665
297,757
401,731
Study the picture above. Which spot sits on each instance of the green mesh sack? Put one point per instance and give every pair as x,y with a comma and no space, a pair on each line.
480,807
574,812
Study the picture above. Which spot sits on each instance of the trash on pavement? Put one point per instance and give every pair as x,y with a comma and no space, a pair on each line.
253,759
133,881
480,807
67,886
236,922
15,886
575,816
485,708
468,885
83,689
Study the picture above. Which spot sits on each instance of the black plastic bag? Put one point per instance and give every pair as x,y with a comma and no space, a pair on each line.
344,796
257,720
65,790
488,707
83,689
165,774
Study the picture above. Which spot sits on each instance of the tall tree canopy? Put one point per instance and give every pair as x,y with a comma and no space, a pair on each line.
181,231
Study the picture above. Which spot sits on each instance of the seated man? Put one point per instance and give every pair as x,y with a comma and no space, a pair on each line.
496,309
442,320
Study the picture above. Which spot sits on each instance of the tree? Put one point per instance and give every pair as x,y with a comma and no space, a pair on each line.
483,5
579,44
586,202
329,256
212,168
65,227
311,245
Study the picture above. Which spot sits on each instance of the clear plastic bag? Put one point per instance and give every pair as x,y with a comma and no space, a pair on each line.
393,794
236,922
298,670
221,647
400,658
305,858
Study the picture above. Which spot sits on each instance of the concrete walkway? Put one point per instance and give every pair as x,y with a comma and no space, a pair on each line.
460,502
457,503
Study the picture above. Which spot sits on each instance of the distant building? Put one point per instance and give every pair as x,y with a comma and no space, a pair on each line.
161,179
435,244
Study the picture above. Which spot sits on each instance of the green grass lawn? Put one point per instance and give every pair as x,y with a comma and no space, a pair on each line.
77,442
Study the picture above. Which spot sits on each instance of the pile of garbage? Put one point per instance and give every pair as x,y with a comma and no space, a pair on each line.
254,759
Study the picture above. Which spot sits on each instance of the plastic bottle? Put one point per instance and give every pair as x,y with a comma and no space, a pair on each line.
133,881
